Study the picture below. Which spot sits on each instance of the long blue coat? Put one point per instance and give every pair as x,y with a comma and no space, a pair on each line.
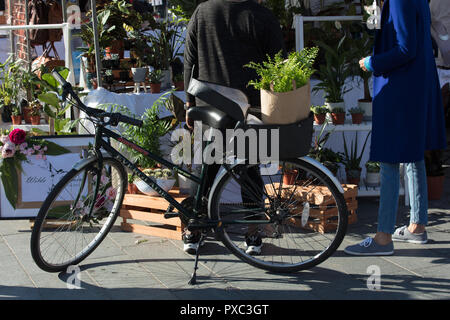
408,115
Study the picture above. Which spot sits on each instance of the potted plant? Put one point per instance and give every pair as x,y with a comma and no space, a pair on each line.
16,115
178,81
9,87
362,47
435,174
320,113
140,49
284,86
155,78
357,115
338,116
35,112
333,75
352,160
108,77
289,174
326,156
372,174
163,177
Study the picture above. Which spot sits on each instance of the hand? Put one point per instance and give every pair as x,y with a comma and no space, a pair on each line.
362,65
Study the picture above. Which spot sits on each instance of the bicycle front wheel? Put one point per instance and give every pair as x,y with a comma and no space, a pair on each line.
268,220
77,214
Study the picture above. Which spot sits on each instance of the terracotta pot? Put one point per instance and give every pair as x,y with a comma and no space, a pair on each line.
338,118
132,189
435,187
179,85
155,87
108,52
26,115
35,120
320,118
289,177
353,176
16,120
367,107
357,118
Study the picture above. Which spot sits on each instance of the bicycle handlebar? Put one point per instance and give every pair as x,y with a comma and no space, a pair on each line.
115,118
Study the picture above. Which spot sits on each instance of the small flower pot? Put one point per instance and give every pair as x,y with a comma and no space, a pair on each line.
357,118
132,189
320,118
353,176
179,85
139,74
26,115
372,179
338,118
289,177
16,120
435,187
155,87
35,120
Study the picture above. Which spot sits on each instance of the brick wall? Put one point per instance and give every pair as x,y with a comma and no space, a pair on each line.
19,18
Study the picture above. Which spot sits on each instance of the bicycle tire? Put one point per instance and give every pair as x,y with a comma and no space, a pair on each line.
41,219
255,260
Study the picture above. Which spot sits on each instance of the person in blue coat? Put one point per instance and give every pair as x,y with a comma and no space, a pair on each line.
408,118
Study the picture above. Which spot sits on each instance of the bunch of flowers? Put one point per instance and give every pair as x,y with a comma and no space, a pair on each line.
104,200
16,147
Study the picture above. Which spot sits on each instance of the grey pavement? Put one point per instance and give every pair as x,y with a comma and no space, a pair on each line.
132,266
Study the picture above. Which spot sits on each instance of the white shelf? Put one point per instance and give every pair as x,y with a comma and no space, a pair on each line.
347,126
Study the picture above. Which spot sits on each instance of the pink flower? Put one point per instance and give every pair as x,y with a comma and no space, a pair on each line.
111,193
17,136
8,150
4,139
100,201
36,147
104,179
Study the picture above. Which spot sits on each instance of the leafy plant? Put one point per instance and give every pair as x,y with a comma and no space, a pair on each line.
320,109
178,77
326,156
148,135
337,110
155,76
10,83
280,75
35,108
373,166
164,174
352,160
334,72
356,110
15,111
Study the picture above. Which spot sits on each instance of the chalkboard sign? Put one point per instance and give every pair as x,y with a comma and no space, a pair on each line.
39,176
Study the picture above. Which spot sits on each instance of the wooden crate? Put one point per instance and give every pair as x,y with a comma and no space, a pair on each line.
145,209
322,218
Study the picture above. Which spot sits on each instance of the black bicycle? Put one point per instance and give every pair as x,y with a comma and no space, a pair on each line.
81,209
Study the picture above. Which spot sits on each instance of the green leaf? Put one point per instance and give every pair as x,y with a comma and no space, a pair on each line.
51,81
49,98
10,180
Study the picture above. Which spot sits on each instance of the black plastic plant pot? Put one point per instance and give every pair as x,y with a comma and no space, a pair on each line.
6,113
123,76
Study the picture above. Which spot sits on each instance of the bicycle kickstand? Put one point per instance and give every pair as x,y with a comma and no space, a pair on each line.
193,279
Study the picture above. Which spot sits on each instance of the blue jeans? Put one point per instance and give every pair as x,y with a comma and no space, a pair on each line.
389,194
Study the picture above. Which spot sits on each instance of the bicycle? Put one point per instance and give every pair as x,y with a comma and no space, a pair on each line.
86,202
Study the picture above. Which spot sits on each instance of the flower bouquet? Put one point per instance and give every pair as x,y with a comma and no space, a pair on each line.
16,147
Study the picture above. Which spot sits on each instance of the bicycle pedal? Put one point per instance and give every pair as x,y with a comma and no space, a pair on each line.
169,215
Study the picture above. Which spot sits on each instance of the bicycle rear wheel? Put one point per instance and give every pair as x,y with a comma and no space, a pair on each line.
262,210
77,215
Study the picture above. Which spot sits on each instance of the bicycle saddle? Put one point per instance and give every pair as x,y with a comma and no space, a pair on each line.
224,105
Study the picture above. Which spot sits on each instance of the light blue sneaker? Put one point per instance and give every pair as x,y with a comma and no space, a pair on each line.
404,235
369,247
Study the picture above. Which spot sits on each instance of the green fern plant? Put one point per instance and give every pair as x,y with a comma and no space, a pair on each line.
279,75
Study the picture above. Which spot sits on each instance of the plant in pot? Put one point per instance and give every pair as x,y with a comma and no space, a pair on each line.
155,78
164,178
290,175
108,77
362,48
16,115
357,115
178,81
284,86
333,75
326,156
338,116
435,173
9,87
35,112
352,159
372,174
320,113
140,49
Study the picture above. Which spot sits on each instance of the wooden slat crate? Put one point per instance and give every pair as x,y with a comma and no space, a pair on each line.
145,209
323,215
